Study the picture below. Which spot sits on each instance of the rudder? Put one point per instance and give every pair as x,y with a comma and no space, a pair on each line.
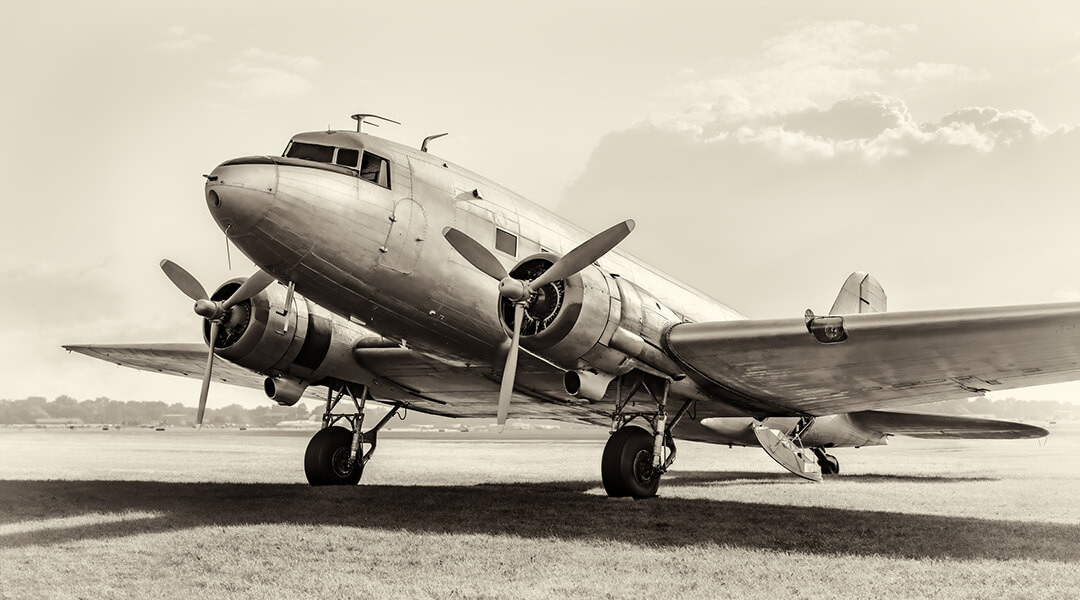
861,293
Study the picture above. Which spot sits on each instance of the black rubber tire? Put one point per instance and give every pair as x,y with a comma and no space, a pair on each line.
834,464
326,457
626,467
830,465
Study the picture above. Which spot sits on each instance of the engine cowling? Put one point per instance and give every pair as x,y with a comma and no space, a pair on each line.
295,345
593,323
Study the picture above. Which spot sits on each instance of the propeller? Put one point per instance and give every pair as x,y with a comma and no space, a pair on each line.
522,292
215,311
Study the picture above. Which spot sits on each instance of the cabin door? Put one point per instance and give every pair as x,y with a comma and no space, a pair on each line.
405,241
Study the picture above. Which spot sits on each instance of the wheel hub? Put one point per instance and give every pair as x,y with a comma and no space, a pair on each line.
643,467
340,463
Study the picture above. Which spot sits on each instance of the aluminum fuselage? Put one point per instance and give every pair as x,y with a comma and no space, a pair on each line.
377,256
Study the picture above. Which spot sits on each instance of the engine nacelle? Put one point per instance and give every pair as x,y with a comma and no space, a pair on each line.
592,323
295,345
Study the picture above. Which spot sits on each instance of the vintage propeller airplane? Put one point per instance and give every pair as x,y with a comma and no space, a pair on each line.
408,280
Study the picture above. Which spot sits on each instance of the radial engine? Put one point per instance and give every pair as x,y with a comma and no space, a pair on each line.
288,337
593,324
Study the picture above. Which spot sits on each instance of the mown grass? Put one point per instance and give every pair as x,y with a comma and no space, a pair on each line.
136,516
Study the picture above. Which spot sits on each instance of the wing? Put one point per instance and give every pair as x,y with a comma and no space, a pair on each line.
778,367
397,374
184,360
922,425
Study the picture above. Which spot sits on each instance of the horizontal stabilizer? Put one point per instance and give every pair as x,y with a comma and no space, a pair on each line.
921,425
861,293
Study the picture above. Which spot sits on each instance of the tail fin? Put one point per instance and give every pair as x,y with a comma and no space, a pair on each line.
861,294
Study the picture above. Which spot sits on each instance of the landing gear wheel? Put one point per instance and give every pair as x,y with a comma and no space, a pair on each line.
829,464
627,465
326,461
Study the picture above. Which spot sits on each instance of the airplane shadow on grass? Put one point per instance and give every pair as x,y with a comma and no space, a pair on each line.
561,510
722,478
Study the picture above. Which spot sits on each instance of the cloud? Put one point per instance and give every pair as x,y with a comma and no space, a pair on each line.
869,127
837,43
813,65
72,301
262,73
792,168
922,73
797,70
179,40
304,63
863,116
263,81
771,212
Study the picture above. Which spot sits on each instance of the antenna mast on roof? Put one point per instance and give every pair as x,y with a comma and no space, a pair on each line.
359,118
423,146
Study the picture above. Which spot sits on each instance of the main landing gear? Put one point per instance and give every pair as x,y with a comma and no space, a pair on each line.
335,454
830,465
788,451
635,457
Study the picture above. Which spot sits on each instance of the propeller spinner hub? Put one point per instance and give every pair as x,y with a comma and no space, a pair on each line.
208,309
512,289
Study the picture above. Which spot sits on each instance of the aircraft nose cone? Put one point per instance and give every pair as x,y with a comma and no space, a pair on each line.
240,192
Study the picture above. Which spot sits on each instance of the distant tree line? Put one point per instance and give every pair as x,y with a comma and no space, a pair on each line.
102,410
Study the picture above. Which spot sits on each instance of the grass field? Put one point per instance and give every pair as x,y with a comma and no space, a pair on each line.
226,514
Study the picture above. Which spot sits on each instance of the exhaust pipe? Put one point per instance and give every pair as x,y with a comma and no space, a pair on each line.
286,391
587,384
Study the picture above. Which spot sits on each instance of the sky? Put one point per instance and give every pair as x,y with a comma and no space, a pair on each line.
766,150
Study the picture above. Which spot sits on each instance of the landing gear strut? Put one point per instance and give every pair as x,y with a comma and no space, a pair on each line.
335,454
635,457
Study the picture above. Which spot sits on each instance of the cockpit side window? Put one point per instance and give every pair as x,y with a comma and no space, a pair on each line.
375,169
347,157
315,152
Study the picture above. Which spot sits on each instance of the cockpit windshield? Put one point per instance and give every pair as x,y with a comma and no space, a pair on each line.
367,166
315,152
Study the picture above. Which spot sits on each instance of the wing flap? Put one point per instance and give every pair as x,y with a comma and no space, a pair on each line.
887,359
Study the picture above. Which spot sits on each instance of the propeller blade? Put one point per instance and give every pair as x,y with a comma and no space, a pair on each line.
254,284
214,325
477,255
510,370
183,280
584,255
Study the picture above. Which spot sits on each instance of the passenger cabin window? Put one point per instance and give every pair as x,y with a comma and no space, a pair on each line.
315,152
375,169
347,157
505,242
